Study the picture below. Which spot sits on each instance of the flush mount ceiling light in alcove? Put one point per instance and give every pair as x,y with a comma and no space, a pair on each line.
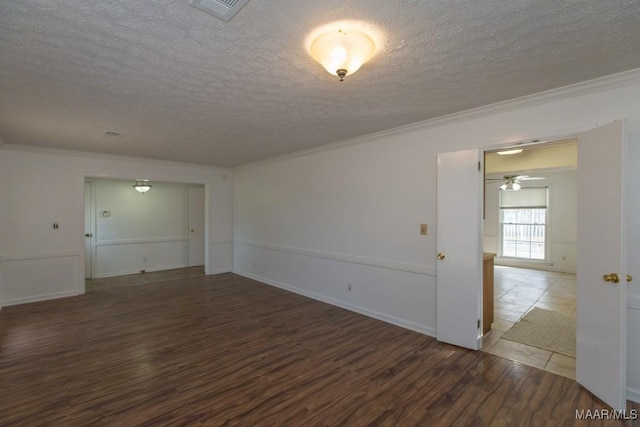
142,185
509,152
343,47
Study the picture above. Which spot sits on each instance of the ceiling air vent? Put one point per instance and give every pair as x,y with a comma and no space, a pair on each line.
112,134
223,9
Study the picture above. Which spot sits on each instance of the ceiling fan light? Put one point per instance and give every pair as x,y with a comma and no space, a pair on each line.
510,185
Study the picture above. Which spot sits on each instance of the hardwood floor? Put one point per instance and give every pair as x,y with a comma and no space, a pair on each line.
225,350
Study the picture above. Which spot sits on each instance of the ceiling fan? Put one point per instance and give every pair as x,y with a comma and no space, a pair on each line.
512,182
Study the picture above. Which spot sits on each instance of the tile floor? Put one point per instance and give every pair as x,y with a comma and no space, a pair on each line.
516,291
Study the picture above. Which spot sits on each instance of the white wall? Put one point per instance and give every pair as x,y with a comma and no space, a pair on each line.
561,233
39,187
143,231
315,222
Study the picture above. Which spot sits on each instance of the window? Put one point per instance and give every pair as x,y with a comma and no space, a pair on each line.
523,223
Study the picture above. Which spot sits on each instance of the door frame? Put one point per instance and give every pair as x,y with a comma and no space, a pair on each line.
87,176
573,134
190,225
92,226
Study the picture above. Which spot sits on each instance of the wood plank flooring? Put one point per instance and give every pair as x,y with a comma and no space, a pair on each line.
226,350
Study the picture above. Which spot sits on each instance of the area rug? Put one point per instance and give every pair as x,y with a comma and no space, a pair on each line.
546,329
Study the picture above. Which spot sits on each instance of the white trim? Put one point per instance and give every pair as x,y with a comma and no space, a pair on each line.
407,324
633,302
41,297
220,271
221,242
38,255
613,81
532,265
353,259
146,270
633,395
141,241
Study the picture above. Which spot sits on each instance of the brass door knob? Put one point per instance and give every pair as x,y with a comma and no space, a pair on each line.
88,235
440,255
613,277
629,278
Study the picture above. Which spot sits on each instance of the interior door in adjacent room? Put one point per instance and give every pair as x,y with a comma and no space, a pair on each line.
88,230
601,296
459,246
196,226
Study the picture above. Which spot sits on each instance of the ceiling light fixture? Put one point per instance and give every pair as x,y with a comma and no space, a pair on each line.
510,185
341,48
142,185
509,152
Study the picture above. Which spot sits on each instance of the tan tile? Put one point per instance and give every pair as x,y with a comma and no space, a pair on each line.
563,293
522,353
557,299
491,338
510,312
501,325
562,365
511,299
558,307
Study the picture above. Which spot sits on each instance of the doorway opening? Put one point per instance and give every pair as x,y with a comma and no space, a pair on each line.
129,234
530,211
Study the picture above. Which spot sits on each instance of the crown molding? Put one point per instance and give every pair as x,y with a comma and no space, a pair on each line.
92,155
613,81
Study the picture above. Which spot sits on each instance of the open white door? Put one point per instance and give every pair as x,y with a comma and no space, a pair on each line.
601,324
459,243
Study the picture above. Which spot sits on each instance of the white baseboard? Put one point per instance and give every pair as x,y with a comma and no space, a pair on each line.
220,271
351,307
147,270
532,265
633,395
41,297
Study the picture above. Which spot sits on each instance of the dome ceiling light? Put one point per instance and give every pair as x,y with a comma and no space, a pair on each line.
341,48
142,185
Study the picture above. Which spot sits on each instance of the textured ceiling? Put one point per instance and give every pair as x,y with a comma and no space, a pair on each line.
182,85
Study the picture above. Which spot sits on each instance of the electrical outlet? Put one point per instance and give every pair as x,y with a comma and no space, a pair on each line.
423,229
144,259
349,287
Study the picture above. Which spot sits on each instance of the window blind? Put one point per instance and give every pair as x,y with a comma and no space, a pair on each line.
524,198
